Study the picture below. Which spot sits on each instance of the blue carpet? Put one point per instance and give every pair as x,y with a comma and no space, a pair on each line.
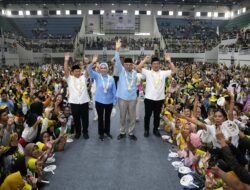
114,165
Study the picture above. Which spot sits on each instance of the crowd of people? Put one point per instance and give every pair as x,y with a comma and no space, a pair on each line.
130,43
188,35
204,109
55,46
241,45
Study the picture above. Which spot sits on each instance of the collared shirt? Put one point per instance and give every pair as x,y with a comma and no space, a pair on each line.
155,84
123,90
100,95
78,93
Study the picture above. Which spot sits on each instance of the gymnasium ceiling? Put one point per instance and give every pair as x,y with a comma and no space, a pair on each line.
163,2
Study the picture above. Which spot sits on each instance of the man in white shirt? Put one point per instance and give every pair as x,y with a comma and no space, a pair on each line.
155,90
78,98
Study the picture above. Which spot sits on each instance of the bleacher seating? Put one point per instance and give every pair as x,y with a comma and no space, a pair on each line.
189,35
238,22
63,27
8,26
187,27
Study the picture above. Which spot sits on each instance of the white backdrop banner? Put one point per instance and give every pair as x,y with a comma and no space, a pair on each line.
118,21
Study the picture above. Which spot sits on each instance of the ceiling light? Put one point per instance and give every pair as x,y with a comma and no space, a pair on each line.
8,12
79,12
142,34
90,12
20,13
58,12
39,12
159,13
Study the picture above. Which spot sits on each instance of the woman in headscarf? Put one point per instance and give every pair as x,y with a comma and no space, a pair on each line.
35,158
15,181
105,96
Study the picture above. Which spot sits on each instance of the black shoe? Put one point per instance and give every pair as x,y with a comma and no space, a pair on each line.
101,137
109,135
133,137
121,136
77,136
157,133
86,136
146,134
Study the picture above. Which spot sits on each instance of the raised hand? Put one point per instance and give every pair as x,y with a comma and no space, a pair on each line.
66,57
95,59
167,57
216,171
118,44
231,92
147,59
86,60
220,137
14,139
172,109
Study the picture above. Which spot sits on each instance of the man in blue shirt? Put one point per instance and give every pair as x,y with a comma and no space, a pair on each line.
4,100
126,93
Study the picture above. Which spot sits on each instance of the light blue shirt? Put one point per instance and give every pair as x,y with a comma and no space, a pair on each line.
122,88
8,103
100,95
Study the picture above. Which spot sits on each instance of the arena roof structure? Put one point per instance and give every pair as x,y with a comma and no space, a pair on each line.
163,2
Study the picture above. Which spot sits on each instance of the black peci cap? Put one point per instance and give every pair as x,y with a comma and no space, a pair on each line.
74,67
128,60
154,59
